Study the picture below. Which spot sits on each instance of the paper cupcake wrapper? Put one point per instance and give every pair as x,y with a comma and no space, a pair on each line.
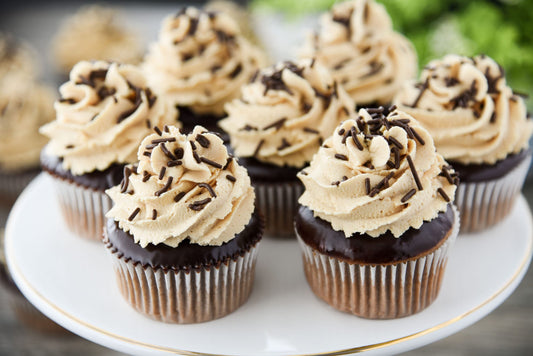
12,184
185,297
378,291
484,204
278,202
83,208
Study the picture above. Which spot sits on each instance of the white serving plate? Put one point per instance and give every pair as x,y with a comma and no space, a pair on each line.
71,281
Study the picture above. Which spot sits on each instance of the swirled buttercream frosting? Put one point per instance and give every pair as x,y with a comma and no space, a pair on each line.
357,44
377,173
95,33
184,187
104,112
201,60
467,107
24,107
285,112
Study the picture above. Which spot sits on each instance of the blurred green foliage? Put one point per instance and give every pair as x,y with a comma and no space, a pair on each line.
502,29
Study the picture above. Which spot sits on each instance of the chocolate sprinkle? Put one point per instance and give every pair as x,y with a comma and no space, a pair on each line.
174,163
146,176
276,124
202,140
209,189
443,194
134,214
395,142
165,188
415,174
231,178
167,152
147,153
154,214
341,132
310,130
126,179
162,172
408,196
178,152
200,204
356,139
165,139
341,156
178,196
417,136
211,163
228,161
127,113
422,87
196,157
284,144
396,153
158,131
258,147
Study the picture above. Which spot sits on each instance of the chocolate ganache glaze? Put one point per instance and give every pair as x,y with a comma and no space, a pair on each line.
98,180
188,255
363,248
485,172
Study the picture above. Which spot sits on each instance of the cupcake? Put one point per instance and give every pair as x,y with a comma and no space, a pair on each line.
357,44
95,33
200,62
376,219
16,57
25,105
278,125
480,127
183,232
104,112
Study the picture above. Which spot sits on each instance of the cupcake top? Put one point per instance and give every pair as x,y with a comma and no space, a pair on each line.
24,107
467,107
358,45
15,57
104,112
94,32
184,186
201,60
376,173
285,112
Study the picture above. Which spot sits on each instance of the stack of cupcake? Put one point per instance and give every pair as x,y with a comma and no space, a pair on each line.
368,194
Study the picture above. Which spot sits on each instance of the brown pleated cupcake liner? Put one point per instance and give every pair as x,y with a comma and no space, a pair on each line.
383,291
83,208
186,296
484,204
279,203
12,184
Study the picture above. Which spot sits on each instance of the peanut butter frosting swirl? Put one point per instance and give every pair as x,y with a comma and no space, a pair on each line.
376,173
95,33
104,112
467,107
184,186
286,112
201,60
358,45
24,107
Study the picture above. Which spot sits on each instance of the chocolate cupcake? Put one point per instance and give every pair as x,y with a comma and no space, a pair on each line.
480,127
25,105
200,62
95,33
277,126
104,112
376,220
357,44
183,233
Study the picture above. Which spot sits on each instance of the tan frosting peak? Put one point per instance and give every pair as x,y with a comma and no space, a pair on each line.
201,60
104,112
285,113
357,44
16,57
24,107
95,32
185,186
388,178
467,107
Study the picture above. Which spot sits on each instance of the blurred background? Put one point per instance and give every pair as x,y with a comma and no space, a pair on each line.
501,29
